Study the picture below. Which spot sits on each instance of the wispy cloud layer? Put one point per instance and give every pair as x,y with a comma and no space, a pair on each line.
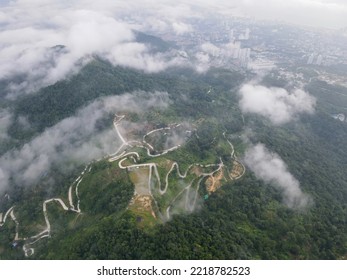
270,168
276,104
28,52
74,140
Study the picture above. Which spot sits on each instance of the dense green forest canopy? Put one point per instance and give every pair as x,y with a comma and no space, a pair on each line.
243,219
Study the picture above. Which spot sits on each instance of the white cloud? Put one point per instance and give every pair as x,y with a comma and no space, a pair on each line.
318,13
271,169
202,63
276,104
211,49
156,25
74,140
181,28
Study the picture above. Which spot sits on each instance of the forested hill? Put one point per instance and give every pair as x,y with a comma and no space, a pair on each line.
243,217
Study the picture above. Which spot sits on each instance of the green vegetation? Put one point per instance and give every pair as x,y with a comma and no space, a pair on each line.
244,219
331,98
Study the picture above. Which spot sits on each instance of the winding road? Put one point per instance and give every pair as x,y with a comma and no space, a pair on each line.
121,155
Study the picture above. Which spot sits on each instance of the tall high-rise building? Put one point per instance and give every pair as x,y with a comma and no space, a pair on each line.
319,59
310,59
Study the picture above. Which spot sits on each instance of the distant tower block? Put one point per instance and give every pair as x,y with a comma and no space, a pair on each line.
310,59
247,32
248,53
319,60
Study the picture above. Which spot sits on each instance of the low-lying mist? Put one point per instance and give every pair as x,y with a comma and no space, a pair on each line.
75,140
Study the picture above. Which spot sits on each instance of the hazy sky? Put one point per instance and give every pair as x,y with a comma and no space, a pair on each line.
326,13
318,13
29,28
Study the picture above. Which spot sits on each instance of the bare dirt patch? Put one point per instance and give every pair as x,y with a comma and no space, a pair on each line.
142,203
213,183
139,177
